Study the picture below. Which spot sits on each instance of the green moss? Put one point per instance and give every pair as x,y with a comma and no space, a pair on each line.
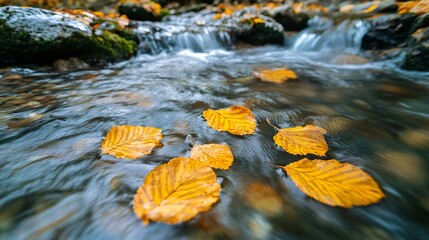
108,47
96,50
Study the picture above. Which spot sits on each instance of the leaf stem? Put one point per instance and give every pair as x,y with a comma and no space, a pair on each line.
268,121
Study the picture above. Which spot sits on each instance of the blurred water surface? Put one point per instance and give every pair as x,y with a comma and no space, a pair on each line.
54,184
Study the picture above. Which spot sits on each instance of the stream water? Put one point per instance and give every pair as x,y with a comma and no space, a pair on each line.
54,184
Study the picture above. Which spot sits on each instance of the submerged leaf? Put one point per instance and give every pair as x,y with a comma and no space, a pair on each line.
279,75
176,191
131,141
334,183
236,120
213,155
263,198
302,140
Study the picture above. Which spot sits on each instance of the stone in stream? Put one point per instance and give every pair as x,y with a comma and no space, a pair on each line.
38,35
388,31
251,27
349,59
289,19
142,10
417,57
70,64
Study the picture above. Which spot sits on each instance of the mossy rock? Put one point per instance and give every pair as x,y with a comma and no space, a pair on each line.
41,36
105,47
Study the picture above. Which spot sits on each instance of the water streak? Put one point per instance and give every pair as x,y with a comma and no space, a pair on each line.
325,35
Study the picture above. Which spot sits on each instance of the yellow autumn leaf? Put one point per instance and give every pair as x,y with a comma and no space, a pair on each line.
258,20
279,75
302,140
213,155
176,191
131,141
334,183
370,8
236,120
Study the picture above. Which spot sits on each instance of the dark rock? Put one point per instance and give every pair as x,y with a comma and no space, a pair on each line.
421,22
249,26
388,31
142,11
290,20
417,57
260,33
37,35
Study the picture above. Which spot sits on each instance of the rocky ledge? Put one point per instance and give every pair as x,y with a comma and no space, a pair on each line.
38,35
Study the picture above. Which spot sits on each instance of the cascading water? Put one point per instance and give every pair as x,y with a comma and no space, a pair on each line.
155,38
325,35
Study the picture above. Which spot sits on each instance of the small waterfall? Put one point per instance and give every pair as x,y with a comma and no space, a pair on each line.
166,37
325,35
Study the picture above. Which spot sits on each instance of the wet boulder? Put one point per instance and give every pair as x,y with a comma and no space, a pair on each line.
38,35
290,20
388,31
417,56
142,10
251,27
259,31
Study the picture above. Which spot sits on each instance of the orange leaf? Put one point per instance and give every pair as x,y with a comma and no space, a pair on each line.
236,120
276,75
176,191
217,16
405,7
213,155
421,7
334,183
131,141
302,140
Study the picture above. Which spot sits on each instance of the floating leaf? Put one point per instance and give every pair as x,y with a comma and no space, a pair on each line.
176,191
131,141
279,75
236,120
213,155
302,140
334,183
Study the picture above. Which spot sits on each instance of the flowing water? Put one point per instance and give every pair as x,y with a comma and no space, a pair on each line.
54,184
